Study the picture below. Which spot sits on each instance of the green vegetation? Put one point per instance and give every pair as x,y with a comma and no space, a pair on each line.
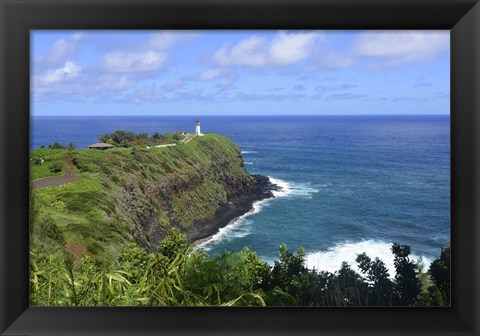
122,138
137,194
174,137
42,159
57,145
156,136
37,160
177,275
440,275
128,139
55,167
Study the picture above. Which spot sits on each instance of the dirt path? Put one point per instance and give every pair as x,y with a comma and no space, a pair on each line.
78,250
54,181
187,139
182,142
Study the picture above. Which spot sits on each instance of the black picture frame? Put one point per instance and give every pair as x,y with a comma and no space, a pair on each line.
18,17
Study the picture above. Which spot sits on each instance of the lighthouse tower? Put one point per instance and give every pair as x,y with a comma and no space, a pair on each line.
197,128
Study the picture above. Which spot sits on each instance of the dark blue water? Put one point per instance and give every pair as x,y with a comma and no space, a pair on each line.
352,183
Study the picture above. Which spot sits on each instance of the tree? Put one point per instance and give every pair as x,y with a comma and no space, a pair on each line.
55,167
122,138
282,281
440,273
407,284
175,243
380,285
353,291
141,136
56,145
156,136
70,146
289,266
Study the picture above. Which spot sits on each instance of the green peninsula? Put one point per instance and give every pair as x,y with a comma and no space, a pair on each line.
137,194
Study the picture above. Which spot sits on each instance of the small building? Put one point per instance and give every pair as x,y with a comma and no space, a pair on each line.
182,132
197,128
100,146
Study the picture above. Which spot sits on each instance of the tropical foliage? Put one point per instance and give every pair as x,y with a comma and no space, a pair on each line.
178,275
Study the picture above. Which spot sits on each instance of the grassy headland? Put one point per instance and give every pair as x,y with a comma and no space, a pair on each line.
135,194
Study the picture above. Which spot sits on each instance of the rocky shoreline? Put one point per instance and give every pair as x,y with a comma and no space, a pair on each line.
235,208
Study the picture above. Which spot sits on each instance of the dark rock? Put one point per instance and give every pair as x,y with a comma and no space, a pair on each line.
242,203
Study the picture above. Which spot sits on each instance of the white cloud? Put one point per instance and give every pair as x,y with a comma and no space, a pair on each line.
121,83
383,49
249,52
174,85
333,60
223,78
283,49
69,70
59,51
78,35
161,40
210,74
394,48
291,48
123,66
149,55
134,61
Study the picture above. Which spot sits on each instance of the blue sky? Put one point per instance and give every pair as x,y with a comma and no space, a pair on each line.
240,72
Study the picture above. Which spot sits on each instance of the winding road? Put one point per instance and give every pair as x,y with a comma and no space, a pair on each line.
53,181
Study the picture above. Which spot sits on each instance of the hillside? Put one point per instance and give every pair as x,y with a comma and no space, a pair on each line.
124,195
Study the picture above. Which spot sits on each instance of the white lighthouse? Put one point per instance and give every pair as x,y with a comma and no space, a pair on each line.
197,128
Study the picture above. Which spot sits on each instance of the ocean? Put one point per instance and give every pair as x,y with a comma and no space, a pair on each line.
351,184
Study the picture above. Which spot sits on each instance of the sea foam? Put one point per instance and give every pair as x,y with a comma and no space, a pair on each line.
237,228
293,189
240,227
331,259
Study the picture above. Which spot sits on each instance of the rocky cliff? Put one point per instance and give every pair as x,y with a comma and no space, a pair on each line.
138,193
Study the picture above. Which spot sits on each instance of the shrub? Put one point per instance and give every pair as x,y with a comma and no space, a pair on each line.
37,160
440,273
70,146
156,136
56,145
55,167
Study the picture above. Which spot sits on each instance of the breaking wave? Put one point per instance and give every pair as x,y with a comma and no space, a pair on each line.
241,226
237,228
293,189
331,259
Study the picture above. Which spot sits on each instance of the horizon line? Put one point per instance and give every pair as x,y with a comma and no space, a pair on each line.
242,115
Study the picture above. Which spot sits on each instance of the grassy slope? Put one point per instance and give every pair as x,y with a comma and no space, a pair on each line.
126,194
38,171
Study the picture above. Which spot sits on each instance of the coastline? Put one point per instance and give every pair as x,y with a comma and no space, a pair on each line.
237,207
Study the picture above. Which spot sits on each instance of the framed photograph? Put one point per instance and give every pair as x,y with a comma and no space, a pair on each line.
228,167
